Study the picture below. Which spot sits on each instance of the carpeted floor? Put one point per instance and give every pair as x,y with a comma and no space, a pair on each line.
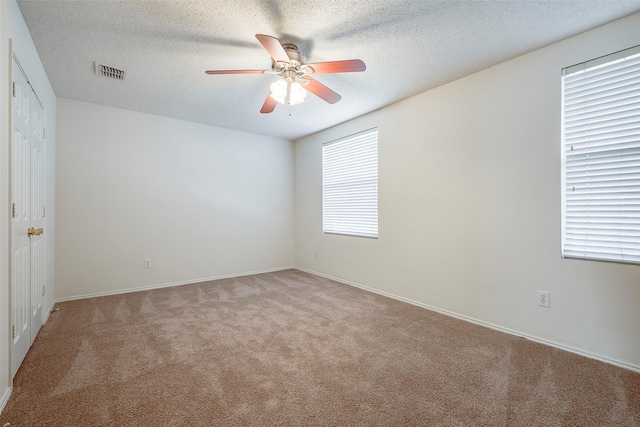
290,348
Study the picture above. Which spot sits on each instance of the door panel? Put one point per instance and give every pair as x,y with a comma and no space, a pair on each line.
37,214
21,217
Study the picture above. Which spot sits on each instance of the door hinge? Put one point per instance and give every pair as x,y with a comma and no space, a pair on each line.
13,332
43,133
14,89
14,212
44,290
44,211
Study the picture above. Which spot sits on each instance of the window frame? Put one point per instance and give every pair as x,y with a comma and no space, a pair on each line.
364,163
597,203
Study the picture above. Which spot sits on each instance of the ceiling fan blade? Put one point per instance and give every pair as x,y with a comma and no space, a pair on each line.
274,48
321,91
348,66
234,71
269,105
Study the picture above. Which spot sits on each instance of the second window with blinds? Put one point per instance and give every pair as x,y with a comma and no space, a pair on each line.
350,185
601,158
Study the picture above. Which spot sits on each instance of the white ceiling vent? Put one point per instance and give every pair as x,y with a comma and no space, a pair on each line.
108,71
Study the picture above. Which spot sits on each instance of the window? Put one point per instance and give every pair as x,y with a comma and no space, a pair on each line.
350,185
601,158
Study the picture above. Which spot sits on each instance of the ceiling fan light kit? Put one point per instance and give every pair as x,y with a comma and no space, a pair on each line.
295,79
287,92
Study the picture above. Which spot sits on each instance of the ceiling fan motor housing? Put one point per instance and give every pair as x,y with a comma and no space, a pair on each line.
294,54
293,71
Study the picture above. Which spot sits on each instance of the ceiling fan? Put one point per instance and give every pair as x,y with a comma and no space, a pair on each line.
296,80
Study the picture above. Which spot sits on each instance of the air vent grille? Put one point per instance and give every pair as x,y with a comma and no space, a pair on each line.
110,72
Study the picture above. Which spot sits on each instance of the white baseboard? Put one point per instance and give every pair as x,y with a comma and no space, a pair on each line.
48,312
601,358
166,285
5,398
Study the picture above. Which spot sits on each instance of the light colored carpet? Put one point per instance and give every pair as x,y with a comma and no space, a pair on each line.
290,348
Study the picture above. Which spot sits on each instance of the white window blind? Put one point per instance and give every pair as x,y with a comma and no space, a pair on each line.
350,185
601,158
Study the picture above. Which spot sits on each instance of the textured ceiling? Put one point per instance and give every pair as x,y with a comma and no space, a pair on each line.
409,46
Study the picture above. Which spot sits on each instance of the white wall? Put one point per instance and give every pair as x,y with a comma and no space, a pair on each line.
200,201
12,26
470,207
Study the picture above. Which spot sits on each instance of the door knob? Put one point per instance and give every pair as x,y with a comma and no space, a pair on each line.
35,231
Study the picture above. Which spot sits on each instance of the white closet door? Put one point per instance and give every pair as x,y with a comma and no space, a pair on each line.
27,215
21,217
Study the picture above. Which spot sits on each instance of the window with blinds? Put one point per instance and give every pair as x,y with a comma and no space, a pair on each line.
350,185
601,158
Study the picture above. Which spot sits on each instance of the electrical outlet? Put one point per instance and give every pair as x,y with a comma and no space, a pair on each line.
317,254
146,263
544,299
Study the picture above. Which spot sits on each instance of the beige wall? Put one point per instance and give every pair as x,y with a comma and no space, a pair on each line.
200,201
469,211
